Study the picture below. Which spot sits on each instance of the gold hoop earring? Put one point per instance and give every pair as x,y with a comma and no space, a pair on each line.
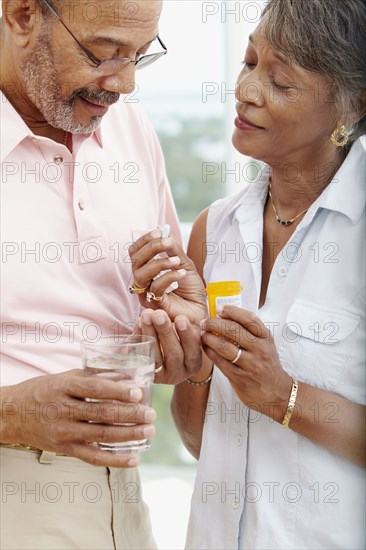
339,138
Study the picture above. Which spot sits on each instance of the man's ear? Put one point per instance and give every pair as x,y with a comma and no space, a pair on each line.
20,18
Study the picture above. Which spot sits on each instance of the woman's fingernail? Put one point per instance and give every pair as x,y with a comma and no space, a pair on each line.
202,323
136,394
182,272
155,233
159,318
181,324
219,309
150,415
149,431
174,260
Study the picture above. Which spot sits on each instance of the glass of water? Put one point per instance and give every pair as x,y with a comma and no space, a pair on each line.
127,358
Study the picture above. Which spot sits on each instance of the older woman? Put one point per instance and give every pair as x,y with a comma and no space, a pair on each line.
278,423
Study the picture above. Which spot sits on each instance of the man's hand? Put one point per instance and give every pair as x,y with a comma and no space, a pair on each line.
178,346
50,413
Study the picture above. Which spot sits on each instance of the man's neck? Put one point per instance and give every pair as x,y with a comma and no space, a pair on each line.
14,91
31,116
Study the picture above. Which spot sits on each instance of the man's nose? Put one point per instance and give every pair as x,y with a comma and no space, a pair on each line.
122,81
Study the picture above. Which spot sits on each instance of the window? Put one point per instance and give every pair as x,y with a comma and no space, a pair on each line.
189,96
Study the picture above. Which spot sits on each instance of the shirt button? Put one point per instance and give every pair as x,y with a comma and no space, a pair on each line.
282,271
58,160
239,440
81,205
235,504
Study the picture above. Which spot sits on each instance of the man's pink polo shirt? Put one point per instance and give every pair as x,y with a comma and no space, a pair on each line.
66,223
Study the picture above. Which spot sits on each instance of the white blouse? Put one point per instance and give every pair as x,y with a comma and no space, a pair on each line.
259,485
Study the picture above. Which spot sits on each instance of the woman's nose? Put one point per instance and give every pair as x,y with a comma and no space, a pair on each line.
249,89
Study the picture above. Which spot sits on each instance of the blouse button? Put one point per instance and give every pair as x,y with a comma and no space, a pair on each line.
239,440
235,504
282,271
58,160
81,205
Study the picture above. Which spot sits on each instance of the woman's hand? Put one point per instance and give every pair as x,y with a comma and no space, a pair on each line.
188,298
257,376
260,382
178,349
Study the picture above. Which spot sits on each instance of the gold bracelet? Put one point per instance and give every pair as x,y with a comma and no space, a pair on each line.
291,404
206,381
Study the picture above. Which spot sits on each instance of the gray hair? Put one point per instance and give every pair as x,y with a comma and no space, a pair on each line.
327,37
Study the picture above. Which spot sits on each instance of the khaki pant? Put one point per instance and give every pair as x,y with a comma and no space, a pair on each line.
69,504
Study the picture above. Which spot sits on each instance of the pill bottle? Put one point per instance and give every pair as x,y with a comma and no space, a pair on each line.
223,293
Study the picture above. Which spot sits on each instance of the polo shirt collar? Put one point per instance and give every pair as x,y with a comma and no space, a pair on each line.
13,129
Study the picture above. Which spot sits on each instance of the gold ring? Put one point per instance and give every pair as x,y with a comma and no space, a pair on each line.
159,369
150,297
237,356
136,289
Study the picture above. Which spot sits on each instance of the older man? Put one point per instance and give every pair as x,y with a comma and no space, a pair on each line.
81,179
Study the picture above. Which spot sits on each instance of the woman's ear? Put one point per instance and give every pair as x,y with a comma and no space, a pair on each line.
20,18
362,101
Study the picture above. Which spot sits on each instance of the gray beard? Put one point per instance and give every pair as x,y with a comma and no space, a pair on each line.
42,86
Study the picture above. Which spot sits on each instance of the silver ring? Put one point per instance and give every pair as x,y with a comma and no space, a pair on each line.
159,369
237,356
150,297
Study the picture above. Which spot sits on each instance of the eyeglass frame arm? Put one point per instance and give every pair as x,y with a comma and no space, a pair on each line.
88,53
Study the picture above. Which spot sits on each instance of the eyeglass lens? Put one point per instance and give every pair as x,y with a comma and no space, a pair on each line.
111,66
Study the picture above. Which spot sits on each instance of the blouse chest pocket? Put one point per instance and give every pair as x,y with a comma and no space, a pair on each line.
318,345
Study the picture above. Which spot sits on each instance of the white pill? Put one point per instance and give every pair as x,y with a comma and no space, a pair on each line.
173,286
165,231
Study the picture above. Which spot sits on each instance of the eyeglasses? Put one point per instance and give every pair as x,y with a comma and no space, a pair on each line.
104,67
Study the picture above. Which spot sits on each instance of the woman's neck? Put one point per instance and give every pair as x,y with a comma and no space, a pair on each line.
296,186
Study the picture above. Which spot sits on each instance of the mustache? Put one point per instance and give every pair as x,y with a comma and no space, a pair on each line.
103,97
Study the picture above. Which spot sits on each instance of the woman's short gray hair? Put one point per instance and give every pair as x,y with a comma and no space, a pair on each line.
328,37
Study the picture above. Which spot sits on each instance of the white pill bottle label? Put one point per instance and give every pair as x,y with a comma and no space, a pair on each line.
222,301
222,293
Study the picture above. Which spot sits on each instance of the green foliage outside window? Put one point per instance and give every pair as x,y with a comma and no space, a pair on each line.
187,145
